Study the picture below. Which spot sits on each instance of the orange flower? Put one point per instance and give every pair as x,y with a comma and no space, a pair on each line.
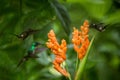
80,39
59,51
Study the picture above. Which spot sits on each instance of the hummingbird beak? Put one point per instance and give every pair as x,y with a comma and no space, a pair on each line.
15,35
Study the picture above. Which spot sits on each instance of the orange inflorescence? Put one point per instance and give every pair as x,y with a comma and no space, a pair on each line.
80,39
59,51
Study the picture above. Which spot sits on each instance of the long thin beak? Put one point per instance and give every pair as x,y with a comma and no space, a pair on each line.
15,35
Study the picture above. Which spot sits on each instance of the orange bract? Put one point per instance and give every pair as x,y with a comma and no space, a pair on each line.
80,39
59,51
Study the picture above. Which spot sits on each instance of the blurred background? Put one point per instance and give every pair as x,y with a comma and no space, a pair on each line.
17,16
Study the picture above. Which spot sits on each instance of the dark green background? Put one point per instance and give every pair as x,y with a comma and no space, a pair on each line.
17,16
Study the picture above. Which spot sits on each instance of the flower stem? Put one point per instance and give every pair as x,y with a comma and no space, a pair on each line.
69,77
83,62
77,62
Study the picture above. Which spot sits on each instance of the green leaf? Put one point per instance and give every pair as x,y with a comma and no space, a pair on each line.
95,8
113,18
83,63
62,14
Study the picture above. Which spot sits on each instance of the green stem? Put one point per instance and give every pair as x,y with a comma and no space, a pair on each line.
69,77
83,62
77,62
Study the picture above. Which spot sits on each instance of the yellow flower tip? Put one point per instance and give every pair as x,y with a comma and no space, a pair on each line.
51,33
47,43
64,42
85,23
82,28
74,28
73,40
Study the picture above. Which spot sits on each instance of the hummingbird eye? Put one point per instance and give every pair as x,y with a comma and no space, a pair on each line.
100,28
93,24
22,35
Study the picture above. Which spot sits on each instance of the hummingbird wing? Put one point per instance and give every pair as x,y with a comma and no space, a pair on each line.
101,27
37,50
31,31
32,54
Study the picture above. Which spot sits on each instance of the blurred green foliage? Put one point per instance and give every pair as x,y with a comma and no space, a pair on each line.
17,16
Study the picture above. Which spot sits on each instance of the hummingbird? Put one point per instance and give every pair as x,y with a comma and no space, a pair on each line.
31,53
100,26
26,33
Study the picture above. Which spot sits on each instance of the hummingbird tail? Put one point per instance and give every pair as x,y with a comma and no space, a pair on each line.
22,60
